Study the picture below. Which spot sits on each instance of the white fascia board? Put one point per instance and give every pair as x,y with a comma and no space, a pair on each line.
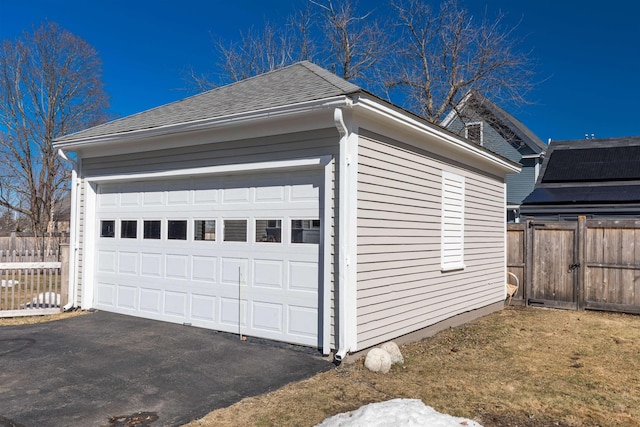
453,113
446,139
204,124
533,156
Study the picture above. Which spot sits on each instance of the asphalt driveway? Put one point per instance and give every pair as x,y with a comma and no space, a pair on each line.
104,369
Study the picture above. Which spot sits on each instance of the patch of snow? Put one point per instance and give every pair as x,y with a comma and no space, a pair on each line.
8,283
45,300
396,412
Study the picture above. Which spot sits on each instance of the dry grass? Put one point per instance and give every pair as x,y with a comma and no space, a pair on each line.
518,367
30,320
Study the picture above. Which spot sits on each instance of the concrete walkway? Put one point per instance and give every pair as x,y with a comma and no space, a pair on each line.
103,369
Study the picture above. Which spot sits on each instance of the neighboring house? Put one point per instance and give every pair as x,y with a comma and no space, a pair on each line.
597,178
483,122
292,206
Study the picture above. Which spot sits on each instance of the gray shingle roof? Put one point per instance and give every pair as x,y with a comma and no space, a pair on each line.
300,82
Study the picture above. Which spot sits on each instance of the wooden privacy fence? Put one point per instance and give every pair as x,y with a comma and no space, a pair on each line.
588,264
29,287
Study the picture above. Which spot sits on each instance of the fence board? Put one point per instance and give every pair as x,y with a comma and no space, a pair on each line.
608,252
29,286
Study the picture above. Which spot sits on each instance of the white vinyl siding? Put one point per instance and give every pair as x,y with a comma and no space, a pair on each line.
401,287
452,243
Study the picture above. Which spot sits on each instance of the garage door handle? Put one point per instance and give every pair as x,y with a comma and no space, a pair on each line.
573,266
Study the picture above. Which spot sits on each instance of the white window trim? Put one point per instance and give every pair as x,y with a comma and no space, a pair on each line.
466,131
452,222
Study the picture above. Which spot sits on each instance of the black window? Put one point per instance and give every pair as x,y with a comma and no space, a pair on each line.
204,229
305,231
235,230
152,229
177,230
107,228
474,133
269,230
128,229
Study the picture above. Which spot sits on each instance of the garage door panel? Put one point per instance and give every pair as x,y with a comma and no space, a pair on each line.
303,321
150,300
257,288
127,262
303,276
268,273
270,194
267,316
106,260
234,270
175,304
176,266
230,315
203,268
203,307
152,265
127,297
106,294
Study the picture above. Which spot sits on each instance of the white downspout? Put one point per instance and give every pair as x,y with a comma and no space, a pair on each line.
344,344
73,233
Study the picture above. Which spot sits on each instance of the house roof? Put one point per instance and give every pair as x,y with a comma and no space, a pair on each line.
589,171
300,82
498,119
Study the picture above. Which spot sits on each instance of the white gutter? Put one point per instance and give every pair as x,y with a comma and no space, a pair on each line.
347,336
73,237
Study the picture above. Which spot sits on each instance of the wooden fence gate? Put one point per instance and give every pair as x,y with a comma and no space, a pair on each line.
588,264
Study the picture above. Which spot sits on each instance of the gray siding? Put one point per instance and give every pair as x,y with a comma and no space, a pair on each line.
273,148
401,288
519,185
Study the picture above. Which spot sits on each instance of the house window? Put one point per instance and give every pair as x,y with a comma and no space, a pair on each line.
107,228
235,230
305,231
177,229
269,230
452,235
473,132
151,229
128,229
204,229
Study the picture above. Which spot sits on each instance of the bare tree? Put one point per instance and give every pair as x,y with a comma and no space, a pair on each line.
50,85
354,43
446,53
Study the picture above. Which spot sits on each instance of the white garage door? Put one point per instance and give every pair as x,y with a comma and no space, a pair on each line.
236,253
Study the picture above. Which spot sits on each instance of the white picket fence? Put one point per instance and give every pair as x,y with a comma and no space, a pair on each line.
29,287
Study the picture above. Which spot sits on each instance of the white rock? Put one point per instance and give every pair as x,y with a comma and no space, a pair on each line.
394,351
378,360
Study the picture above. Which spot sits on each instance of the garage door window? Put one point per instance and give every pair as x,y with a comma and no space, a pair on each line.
177,229
235,230
269,230
204,229
305,231
151,229
107,228
129,229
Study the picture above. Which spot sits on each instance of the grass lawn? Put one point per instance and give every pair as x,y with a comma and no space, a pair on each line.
518,367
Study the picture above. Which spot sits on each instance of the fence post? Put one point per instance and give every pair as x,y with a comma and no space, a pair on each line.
64,275
581,290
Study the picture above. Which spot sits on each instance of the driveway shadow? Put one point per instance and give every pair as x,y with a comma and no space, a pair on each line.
102,369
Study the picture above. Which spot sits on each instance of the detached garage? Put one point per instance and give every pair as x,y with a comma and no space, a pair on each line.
292,206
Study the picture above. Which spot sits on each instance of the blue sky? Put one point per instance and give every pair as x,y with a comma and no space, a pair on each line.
588,53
